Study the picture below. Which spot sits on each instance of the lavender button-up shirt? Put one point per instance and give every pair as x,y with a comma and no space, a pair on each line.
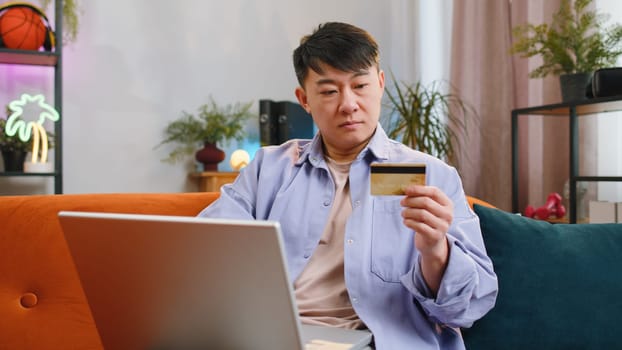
291,184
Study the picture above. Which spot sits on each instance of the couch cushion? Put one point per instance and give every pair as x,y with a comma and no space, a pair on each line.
559,285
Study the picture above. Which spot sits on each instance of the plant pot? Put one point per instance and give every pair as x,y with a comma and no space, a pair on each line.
14,160
30,167
574,86
210,156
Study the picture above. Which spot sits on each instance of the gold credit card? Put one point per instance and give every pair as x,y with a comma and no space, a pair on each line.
389,179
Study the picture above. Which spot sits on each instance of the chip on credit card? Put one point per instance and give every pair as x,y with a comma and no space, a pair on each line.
389,179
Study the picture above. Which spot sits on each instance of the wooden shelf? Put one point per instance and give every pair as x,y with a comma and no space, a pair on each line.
28,57
211,181
565,220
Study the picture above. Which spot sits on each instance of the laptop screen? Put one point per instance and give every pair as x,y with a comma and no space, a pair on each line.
155,281
169,282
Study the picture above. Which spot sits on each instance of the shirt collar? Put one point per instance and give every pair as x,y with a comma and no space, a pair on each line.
378,146
312,152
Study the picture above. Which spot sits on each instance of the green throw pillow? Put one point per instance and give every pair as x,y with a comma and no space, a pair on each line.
560,286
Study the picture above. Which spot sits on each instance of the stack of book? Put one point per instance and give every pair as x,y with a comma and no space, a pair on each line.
605,212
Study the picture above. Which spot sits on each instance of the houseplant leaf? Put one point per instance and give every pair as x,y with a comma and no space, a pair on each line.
211,123
426,118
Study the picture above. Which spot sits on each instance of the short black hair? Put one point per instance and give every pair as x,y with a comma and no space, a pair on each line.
339,45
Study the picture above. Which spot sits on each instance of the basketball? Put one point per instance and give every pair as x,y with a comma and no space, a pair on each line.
22,28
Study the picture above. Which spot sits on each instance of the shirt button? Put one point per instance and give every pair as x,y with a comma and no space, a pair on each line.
357,203
350,241
326,203
354,300
307,255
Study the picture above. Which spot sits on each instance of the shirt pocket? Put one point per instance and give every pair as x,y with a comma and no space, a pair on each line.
392,250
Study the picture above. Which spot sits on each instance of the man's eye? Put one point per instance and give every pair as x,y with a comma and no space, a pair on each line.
328,92
360,86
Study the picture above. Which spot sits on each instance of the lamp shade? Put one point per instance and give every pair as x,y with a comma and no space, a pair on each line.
239,159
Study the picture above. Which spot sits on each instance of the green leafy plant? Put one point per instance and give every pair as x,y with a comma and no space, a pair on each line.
12,143
420,117
15,144
576,41
211,123
71,18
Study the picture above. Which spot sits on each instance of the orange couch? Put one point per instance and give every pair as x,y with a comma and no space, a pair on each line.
42,305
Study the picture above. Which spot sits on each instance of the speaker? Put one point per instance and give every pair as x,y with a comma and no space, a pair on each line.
49,37
607,82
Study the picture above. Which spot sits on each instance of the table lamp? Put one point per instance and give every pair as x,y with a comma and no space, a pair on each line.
239,159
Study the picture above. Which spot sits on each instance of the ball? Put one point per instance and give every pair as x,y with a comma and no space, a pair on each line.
22,28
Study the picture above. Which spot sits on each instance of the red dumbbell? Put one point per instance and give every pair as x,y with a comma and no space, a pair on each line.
552,207
530,211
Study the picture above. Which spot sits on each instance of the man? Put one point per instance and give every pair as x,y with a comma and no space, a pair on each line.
411,269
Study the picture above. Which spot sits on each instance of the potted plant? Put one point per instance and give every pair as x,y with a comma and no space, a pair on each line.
573,46
71,14
420,117
208,127
14,150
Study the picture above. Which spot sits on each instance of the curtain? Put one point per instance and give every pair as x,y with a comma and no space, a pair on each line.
481,71
495,82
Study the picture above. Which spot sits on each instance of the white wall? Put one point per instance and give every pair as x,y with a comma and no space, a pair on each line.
609,129
137,64
433,33
141,64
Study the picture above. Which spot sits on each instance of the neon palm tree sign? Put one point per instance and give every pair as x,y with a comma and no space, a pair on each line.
25,130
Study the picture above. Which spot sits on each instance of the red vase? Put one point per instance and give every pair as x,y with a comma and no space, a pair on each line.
210,156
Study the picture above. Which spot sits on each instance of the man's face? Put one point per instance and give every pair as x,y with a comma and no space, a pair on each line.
345,106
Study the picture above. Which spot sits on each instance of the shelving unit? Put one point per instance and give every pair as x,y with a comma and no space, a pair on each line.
54,60
572,110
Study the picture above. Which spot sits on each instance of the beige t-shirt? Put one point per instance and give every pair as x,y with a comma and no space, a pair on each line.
320,289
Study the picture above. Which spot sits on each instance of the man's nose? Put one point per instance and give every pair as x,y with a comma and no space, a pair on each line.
348,103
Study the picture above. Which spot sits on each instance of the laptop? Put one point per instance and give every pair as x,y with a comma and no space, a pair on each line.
172,282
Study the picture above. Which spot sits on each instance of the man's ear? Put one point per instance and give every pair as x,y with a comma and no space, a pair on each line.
301,95
381,78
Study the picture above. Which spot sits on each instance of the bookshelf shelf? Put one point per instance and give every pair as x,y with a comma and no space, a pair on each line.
572,111
53,60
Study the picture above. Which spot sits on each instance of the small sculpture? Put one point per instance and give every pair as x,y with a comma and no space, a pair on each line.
553,208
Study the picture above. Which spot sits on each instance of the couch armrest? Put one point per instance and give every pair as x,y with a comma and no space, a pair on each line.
473,200
41,301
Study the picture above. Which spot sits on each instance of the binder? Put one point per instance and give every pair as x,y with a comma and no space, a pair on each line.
283,120
267,124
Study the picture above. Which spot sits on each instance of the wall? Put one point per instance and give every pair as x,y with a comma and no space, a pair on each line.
136,65
159,59
609,160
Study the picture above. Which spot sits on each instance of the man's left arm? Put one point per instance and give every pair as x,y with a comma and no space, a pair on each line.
429,212
453,280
